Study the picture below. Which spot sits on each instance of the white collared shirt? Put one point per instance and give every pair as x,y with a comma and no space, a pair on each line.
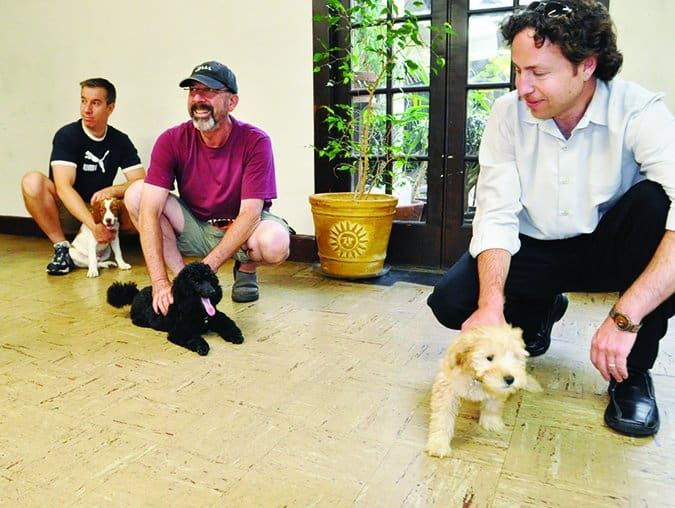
534,181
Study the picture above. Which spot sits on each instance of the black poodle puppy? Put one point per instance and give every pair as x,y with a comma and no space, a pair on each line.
196,292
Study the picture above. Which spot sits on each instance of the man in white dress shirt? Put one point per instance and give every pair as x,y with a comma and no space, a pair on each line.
575,193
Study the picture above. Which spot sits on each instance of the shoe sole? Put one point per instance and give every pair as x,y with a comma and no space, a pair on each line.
630,429
245,299
60,272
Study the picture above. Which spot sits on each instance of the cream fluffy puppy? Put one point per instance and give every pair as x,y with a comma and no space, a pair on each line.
485,364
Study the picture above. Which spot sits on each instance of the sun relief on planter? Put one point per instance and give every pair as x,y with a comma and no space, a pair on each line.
352,235
348,239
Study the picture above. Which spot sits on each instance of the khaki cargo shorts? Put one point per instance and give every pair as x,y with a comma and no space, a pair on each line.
200,237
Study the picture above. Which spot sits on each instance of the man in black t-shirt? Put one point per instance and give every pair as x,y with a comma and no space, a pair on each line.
86,156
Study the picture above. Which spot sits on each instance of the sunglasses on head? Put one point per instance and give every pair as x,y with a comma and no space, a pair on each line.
550,9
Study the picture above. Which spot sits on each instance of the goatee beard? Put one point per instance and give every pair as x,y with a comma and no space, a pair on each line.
203,124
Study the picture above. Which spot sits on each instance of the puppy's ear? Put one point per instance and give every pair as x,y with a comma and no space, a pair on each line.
96,211
459,358
460,349
532,385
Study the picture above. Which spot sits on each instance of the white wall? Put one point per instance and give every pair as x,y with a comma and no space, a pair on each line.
645,30
146,47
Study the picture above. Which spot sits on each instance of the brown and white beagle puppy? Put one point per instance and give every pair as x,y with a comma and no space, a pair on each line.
87,253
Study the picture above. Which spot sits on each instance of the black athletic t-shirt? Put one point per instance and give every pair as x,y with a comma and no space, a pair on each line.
96,161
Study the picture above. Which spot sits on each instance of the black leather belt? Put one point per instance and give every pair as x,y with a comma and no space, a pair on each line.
221,223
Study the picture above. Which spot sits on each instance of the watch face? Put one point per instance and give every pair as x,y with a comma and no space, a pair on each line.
621,321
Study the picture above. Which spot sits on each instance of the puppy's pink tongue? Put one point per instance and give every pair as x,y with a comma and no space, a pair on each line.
208,307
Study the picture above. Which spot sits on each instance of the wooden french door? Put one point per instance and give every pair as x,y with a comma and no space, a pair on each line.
460,96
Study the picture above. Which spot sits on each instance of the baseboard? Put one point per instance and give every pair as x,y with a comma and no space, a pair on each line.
20,226
303,247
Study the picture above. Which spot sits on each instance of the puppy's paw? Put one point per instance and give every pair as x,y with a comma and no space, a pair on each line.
199,346
491,422
196,344
236,338
107,264
438,446
123,265
92,272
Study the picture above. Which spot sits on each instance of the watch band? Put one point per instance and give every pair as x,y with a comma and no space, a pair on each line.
623,322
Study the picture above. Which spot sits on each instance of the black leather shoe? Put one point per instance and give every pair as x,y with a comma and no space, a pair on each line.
632,406
540,343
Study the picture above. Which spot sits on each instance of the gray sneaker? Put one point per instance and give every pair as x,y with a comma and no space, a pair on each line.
61,263
245,287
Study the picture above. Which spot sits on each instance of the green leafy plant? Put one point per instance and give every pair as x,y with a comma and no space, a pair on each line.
385,45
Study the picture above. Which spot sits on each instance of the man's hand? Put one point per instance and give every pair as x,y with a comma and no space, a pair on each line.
485,316
162,298
101,194
609,350
102,234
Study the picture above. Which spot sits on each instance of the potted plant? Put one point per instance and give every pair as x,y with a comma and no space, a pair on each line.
410,207
372,144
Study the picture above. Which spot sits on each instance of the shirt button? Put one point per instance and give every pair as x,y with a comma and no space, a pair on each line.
564,148
564,180
564,213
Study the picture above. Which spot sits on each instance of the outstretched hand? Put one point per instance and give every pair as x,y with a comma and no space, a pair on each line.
162,297
102,234
484,316
609,350
100,195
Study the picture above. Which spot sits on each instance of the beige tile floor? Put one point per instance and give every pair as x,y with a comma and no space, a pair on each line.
325,404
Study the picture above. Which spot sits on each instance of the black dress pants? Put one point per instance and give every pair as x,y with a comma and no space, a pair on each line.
607,260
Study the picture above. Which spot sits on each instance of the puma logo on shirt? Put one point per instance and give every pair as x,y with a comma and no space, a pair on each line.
97,162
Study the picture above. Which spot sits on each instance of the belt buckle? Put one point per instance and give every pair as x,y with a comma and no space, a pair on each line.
223,224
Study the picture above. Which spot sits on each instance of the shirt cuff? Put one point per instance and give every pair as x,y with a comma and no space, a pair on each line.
494,239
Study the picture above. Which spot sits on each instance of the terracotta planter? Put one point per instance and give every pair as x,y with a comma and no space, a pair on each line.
352,235
411,211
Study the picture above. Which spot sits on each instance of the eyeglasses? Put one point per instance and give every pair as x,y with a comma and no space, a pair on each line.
206,92
550,9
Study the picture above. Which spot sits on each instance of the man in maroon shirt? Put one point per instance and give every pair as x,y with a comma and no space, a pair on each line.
224,172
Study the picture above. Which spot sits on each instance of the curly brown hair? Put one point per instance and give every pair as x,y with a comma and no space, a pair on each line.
581,28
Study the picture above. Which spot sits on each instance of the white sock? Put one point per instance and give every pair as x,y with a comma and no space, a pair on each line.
65,243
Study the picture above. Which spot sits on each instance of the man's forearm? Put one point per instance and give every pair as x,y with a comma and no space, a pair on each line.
152,245
493,269
237,235
117,191
76,206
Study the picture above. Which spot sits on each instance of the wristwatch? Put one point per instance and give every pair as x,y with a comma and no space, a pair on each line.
623,322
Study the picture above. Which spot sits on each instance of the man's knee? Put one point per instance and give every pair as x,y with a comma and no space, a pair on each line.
34,184
651,200
455,296
446,311
276,248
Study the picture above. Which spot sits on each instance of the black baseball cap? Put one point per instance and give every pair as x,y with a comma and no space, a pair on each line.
214,75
